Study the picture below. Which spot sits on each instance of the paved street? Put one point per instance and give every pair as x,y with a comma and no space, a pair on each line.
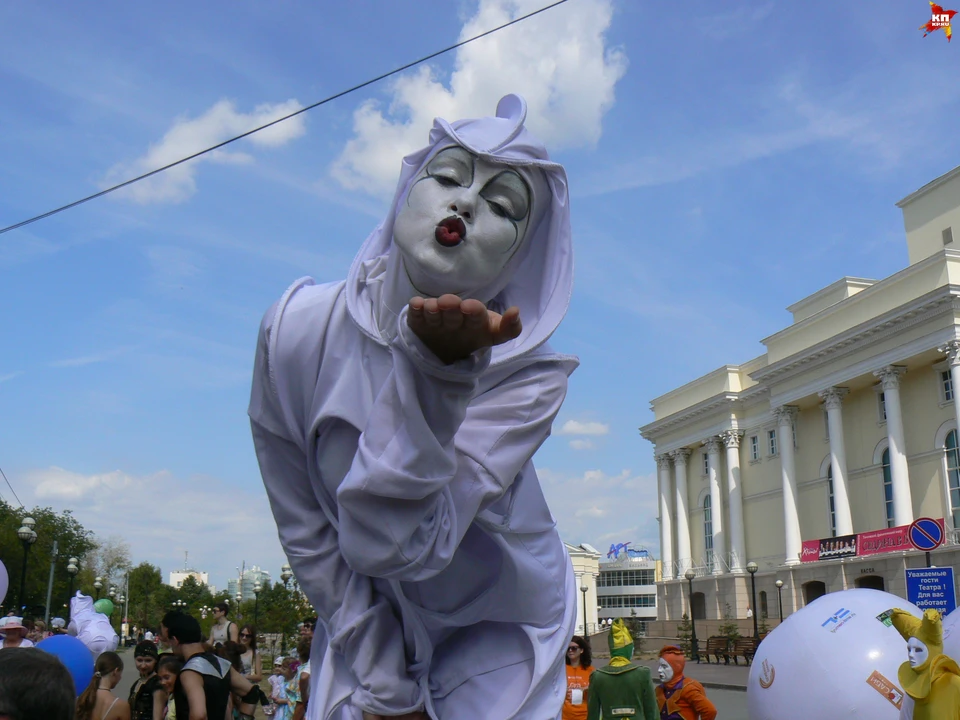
731,704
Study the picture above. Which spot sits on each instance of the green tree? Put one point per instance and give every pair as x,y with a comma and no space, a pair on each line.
684,630
73,540
148,596
729,627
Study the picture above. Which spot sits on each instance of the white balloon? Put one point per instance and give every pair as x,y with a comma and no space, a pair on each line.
951,635
4,582
832,660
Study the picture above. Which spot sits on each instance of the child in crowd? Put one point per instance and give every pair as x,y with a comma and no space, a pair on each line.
168,669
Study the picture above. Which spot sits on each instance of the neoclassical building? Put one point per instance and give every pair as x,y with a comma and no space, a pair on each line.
846,425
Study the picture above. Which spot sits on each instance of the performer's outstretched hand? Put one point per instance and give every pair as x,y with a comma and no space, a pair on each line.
453,328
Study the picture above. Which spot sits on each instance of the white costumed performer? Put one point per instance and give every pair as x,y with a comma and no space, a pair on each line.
395,437
92,628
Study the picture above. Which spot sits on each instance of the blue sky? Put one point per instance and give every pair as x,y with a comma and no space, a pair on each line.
725,161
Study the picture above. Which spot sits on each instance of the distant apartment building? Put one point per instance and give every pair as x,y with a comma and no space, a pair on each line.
251,576
626,586
178,576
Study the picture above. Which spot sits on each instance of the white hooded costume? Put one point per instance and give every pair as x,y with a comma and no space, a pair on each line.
90,627
403,488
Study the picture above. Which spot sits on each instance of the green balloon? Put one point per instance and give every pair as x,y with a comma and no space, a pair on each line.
104,605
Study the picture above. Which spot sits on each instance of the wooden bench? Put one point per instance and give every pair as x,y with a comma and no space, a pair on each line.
745,647
718,646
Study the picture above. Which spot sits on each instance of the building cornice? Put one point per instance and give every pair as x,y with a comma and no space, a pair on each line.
942,300
932,185
657,428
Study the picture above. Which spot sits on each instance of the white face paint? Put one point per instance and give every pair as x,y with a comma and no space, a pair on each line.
917,652
462,221
665,671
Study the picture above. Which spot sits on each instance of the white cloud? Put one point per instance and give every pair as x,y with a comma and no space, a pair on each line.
558,60
10,376
191,135
575,427
162,515
582,444
598,508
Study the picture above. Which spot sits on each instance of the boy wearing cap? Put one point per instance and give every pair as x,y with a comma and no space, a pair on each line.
679,697
622,689
930,679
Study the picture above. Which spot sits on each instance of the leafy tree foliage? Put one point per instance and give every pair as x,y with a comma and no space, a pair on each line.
73,540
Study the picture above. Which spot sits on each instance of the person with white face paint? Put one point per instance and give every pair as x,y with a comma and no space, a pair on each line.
680,697
930,679
395,416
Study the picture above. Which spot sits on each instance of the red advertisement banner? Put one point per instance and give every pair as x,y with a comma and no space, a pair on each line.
875,542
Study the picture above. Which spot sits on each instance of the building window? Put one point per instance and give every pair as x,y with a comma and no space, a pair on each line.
764,612
627,601
706,463
946,385
833,508
708,532
621,578
754,447
772,442
953,475
887,487
881,407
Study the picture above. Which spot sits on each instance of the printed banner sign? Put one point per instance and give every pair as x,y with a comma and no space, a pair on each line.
932,589
875,542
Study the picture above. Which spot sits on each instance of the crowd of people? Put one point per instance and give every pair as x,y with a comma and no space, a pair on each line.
625,689
181,675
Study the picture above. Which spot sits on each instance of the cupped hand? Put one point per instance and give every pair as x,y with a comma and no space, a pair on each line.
453,328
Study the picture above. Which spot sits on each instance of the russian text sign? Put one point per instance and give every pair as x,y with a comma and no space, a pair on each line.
932,589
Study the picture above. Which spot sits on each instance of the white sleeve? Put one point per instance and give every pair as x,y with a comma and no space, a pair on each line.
435,453
360,622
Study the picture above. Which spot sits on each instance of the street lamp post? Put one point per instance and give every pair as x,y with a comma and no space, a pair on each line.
178,604
256,601
122,599
285,574
28,536
583,589
752,568
73,567
690,574
97,585
780,597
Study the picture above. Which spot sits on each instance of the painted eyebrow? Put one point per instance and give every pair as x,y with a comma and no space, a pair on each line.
516,188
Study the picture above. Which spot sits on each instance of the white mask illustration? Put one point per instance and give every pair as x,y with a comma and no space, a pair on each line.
917,652
665,671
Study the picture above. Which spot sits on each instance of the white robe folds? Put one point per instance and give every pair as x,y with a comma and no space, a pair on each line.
404,492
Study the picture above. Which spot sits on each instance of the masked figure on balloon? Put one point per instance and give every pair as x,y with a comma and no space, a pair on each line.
91,626
395,416
680,697
930,679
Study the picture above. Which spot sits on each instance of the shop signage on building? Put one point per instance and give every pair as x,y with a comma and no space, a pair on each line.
873,542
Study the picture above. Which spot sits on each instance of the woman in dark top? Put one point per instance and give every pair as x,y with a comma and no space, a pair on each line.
148,699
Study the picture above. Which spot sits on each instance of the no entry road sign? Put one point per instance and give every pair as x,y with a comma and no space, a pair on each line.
926,534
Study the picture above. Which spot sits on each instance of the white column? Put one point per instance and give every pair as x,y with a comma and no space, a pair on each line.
832,398
738,544
952,349
684,557
786,415
716,504
899,474
666,517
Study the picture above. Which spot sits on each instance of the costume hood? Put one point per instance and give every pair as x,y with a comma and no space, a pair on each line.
620,643
539,277
675,658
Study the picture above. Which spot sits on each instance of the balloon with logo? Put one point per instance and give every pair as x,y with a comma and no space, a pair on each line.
836,658
104,605
75,656
4,582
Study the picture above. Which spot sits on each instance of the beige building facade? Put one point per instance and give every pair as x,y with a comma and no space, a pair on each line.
847,424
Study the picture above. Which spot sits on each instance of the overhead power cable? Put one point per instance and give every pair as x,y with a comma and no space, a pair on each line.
340,94
10,486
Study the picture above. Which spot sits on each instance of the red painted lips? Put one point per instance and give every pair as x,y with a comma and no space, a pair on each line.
451,232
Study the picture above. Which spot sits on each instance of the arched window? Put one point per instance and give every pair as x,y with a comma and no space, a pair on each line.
874,582
763,604
887,487
698,606
953,475
708,531
812,590
833,507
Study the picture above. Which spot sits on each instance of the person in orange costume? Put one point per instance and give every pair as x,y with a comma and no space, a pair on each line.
579,668
679,697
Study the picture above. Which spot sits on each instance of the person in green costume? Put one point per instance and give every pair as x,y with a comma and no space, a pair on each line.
621,690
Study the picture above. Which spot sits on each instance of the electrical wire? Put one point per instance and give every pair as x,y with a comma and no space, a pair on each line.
11,487
340,94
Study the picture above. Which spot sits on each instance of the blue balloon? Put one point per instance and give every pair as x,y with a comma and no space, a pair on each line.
74,655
